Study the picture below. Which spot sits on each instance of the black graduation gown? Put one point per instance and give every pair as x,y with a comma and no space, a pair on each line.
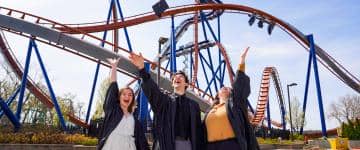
164,108
236,108
113,116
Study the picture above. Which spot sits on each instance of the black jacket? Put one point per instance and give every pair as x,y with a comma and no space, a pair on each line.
236,108
164,108
113,116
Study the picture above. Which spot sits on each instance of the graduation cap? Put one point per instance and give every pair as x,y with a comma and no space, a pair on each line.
160,7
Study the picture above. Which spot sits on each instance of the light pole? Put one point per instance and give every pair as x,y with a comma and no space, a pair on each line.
289,85
162,40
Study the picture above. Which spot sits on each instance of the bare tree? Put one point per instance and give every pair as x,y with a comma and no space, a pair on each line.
345,109
33,111
99,112
8,82
8,85
297,115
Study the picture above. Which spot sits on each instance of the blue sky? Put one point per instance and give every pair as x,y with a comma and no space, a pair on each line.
334,24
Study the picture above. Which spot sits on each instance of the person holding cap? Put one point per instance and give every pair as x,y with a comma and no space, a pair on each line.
177,123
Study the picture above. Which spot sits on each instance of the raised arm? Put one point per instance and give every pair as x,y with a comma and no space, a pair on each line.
113,63
241,85
157,99
112,93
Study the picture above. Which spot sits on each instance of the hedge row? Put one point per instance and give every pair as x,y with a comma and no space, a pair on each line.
351,130
47,138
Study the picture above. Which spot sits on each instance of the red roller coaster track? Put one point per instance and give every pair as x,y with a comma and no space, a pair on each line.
325,59
41,95
268,73
146,17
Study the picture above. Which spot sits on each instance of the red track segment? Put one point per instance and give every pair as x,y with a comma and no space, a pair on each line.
196,50
263,96
147,17
44,98
330,132
150,17
49,23
77,121
56,25
227,61
268,73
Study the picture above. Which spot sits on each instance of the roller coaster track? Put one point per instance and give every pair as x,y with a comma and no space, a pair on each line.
269,72
18,69
182,28
54,34
325,59
33,88
80,47
179,32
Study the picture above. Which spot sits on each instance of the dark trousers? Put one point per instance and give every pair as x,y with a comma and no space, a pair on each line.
230,144
182,145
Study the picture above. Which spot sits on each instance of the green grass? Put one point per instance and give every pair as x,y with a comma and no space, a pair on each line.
276,141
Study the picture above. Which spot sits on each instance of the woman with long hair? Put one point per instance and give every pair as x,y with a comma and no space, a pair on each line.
226,123
120,130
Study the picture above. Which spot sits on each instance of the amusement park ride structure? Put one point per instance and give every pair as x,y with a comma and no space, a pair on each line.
46,31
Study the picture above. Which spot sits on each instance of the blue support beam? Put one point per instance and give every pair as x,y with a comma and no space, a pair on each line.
102,44
249,105
268,113
223,73
10,100
143,104
313,59
212,80
219,52
125,29
204,19
112,2
211,67
98,65
191,65
23,81
107,22
306,89
92,92
51,91
206,77
167,64
204,59
318,88
173,47
13,119
283,114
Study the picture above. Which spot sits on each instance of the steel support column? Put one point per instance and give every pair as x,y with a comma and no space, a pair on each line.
51,91
313,59
24,80
13,119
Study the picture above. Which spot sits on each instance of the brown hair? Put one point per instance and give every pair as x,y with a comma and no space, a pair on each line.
132,104
216,100
183,74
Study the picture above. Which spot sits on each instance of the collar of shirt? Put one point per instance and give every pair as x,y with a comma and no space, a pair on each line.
178,95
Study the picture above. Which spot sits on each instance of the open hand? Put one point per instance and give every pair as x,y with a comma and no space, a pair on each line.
113,62
243,56
137,60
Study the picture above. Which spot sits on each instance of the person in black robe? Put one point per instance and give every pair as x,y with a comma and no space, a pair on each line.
118,104
177,123
226,123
